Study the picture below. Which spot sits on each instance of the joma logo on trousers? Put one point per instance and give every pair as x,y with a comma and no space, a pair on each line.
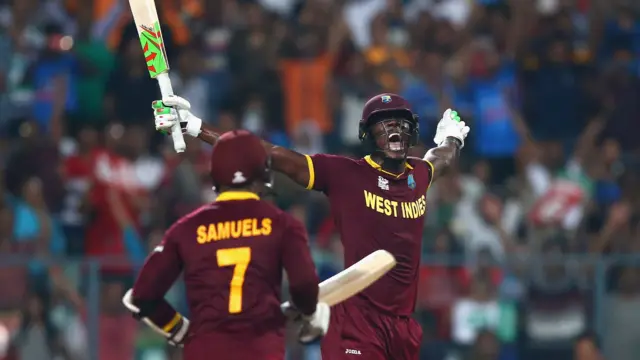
353,351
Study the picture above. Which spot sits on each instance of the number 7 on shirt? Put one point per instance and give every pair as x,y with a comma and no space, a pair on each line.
239,258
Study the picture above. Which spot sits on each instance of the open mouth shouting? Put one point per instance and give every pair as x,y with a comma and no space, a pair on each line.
395,142
392,137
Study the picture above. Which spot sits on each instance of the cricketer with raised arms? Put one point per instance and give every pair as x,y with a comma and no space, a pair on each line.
378,202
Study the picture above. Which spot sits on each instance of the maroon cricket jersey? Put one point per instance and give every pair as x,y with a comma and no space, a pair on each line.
374,209
232,253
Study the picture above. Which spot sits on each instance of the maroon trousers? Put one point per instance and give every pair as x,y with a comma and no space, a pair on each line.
359,331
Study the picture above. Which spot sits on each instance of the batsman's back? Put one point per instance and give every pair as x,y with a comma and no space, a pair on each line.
233,252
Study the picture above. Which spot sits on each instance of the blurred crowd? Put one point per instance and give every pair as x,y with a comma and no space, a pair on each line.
528,247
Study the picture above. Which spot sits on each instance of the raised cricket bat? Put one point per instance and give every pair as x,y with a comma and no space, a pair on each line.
355,278
148,25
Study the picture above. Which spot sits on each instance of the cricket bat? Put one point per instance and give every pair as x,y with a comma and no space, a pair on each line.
148,25
355,278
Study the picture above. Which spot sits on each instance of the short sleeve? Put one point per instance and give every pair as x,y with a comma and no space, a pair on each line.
431,170
324,171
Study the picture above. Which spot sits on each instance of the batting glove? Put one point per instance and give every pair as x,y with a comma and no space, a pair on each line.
289,311
315,326
175,335
311,327
451,126
172,110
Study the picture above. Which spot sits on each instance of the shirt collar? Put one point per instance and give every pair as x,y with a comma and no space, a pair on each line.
237,195
376,166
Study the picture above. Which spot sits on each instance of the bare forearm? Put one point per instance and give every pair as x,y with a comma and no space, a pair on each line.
444,156
208,134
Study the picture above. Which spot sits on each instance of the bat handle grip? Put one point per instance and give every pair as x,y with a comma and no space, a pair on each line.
176,132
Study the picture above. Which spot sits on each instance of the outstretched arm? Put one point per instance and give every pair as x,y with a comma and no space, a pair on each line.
292,164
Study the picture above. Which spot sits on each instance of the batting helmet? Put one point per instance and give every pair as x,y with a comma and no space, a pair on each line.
388,104
238,158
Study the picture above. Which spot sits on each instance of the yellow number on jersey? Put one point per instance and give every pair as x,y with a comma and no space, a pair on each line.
239,258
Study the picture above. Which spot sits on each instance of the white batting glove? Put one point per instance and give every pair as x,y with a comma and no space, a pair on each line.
312,327
451,126
315,326
175,337
172,110
289,311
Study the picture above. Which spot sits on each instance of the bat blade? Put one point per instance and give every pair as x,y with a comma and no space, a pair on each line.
145,16
355,278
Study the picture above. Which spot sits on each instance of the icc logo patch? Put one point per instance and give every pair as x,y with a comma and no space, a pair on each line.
385,98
